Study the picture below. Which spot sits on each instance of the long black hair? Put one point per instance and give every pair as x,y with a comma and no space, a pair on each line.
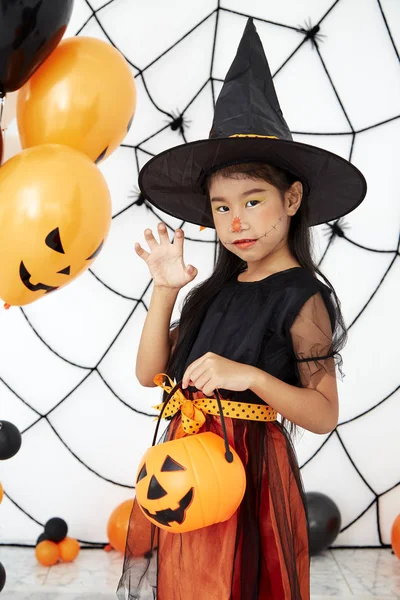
229,264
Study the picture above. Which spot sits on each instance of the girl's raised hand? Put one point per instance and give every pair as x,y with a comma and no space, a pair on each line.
165,259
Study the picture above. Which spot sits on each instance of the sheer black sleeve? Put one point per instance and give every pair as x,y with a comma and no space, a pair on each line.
312,343
317,335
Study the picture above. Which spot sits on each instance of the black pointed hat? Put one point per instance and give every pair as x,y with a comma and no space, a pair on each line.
249,126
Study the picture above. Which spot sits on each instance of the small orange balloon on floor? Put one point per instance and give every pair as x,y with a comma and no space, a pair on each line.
118,524
47,553
69,549
395,535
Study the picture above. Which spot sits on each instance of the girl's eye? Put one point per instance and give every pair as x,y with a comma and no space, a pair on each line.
257,201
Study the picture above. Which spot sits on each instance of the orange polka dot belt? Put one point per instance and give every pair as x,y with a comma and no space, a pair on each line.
193,412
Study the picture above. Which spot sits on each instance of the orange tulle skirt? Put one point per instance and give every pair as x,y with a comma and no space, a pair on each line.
260,553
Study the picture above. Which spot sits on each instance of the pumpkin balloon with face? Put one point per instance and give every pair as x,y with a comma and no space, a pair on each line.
55,214
187,483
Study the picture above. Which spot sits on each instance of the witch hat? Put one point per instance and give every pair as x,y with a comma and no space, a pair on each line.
249,126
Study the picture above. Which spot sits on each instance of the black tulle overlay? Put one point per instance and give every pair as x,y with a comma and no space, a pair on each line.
286,325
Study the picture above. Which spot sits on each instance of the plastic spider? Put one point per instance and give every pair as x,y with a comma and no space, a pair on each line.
336,229
179,122
312,33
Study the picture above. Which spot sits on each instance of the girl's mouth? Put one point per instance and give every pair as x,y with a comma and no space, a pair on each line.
245,243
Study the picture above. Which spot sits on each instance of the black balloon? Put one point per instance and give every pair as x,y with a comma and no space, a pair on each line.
29,32
42,538
10,440
324,521
2,577
56,529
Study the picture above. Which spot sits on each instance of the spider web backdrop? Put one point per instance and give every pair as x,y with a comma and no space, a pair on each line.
67,362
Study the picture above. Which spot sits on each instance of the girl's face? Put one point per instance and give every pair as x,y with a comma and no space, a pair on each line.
252,209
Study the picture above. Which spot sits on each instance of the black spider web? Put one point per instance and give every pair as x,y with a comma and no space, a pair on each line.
178,123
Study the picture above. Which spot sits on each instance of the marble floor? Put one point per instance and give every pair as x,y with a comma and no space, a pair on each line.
344,574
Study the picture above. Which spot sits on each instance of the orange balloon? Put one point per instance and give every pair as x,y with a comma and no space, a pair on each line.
69,549
179,483
395,535
118,524
55,213
83,96
47,553
1,493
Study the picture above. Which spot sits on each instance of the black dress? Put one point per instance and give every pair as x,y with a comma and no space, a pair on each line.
282,324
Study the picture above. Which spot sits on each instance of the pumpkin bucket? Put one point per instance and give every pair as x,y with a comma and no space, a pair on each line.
191,482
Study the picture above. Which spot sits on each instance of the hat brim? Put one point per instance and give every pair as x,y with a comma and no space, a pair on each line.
173,180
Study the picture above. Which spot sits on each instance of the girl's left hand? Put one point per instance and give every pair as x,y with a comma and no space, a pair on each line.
212,371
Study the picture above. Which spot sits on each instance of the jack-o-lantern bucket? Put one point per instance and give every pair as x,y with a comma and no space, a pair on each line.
190,482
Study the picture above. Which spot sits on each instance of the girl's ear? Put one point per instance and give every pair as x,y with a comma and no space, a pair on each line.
293,198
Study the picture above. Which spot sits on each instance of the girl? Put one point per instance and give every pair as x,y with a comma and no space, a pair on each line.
263,329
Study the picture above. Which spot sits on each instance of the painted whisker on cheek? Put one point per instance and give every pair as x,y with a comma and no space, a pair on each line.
272,228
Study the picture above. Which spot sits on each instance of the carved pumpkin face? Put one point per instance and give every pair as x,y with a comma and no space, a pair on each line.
186,484
55,213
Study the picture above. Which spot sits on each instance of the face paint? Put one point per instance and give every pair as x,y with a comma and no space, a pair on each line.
236,225
265,234
272,228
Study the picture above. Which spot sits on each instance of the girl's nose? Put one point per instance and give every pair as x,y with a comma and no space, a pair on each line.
236,224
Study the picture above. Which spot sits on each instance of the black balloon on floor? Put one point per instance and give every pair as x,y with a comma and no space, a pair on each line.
10,440
56,529
42,538
2,576
324,520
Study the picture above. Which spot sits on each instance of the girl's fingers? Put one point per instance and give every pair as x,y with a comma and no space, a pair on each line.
164,239
150,239
163,233
178,238
141,252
